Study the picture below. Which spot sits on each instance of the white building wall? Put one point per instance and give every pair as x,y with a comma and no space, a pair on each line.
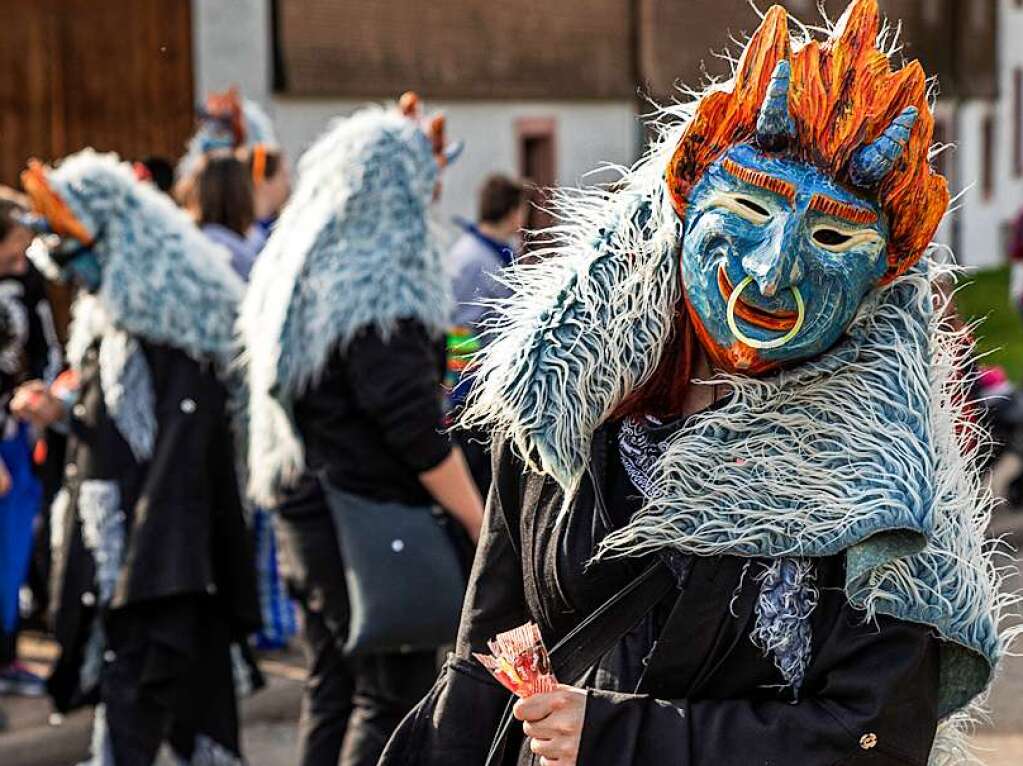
1009,193
980,241
231,46
983,222
586,134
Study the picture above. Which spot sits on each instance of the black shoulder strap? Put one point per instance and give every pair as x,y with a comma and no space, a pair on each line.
588,641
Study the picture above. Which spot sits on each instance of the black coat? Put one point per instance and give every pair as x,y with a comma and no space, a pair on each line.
372,421
705,695
185,530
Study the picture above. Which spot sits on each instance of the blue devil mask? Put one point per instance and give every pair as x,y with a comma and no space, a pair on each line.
777,255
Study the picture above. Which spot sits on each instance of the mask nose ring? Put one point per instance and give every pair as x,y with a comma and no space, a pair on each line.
733,300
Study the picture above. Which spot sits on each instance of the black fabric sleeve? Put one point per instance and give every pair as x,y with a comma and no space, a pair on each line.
187,529
875,704
397,383
456,722
43,350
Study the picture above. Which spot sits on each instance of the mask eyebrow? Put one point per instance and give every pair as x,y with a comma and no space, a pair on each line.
763,180
852,213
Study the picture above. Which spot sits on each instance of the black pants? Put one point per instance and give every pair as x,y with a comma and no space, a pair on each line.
8,647
350,706
168,677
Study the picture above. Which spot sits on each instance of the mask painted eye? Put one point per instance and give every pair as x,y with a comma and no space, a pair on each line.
752,206
840,240
830,237
744,207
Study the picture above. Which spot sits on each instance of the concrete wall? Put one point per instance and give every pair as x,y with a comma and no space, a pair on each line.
586,135
231,46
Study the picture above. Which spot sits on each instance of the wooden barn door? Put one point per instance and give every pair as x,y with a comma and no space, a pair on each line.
112,74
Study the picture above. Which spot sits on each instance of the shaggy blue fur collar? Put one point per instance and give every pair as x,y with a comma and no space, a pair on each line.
353,249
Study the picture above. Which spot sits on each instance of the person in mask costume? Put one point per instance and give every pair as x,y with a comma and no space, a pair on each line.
344,329
153,577
224,121
728,411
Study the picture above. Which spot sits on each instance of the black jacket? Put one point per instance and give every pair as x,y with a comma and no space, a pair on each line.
36,354
185,534
706,696
372,421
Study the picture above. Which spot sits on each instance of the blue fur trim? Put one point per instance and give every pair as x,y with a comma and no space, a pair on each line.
783,629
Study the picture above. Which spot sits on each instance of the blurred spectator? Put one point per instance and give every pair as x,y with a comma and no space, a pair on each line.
221,202
224,202
476,261
157,170
25,320
485,249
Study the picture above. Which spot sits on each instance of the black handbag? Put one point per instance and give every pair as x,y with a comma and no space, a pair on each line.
403,574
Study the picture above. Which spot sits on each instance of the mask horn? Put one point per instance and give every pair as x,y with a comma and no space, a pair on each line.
871,163
775,125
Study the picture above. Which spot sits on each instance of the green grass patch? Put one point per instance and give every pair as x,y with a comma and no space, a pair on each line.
986,294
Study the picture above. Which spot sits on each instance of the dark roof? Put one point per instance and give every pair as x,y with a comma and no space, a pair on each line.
456,48
586,49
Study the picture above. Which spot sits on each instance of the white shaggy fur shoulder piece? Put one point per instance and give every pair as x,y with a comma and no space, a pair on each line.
585,327
163,281
354,248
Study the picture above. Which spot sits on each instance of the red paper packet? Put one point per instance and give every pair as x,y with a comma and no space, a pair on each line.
519,661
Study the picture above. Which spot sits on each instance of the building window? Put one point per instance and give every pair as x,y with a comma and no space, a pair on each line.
1017,121
987,171
538,165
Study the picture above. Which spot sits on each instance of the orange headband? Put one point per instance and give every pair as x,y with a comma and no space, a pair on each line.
48,204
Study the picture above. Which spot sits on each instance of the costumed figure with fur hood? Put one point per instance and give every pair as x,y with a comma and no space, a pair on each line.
226,120
344,329
232,124
733,482
152,579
